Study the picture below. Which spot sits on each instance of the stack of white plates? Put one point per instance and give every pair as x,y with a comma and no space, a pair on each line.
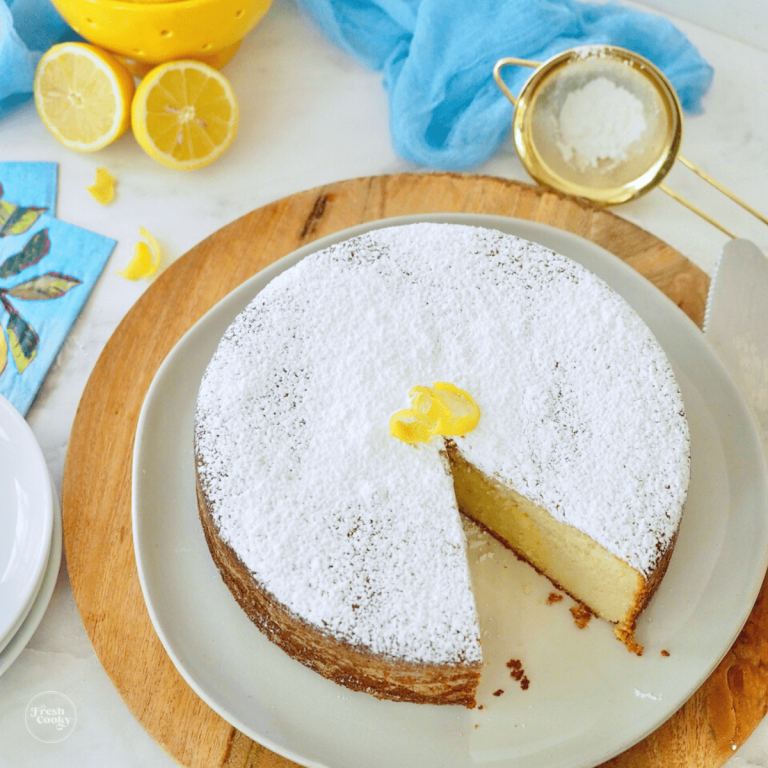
30,534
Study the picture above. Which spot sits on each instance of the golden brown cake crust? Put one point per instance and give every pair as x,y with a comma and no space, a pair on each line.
626,631
334,659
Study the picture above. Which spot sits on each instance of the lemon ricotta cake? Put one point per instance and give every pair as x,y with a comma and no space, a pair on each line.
344,544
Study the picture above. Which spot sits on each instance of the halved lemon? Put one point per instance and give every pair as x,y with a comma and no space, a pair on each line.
83,95
184,114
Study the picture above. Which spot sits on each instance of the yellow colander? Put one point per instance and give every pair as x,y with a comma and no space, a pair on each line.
153,32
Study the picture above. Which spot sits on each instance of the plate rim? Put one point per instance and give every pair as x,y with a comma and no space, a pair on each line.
272,270
39,606
22,432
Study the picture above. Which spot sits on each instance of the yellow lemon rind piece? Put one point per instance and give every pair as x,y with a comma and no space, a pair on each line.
411,426
103,188
146,258
423,399
140,265
431,415
457,425
154,249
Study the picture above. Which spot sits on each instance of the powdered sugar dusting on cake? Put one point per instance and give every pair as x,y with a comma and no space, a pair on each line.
357,532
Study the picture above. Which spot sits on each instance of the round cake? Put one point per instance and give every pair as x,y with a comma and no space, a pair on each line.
344,544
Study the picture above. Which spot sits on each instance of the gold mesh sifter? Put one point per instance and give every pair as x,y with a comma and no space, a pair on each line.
535,128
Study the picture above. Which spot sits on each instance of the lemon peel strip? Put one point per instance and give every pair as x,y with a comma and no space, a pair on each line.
423,399
103,188
463,412
442,409
146,258
411,426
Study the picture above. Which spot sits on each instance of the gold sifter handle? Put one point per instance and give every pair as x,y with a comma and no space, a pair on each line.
720,188
510,61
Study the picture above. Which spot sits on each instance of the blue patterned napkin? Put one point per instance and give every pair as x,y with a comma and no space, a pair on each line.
47,270
438,56
29,184
28,28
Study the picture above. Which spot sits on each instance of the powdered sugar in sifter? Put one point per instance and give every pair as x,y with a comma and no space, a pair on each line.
603,123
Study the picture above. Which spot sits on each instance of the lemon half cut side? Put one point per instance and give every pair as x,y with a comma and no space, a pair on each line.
184,114
83,95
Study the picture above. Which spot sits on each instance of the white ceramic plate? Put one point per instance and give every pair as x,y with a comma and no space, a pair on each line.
588,699
26,519
32,620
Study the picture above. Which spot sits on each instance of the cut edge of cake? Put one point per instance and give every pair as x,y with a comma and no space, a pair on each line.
553,548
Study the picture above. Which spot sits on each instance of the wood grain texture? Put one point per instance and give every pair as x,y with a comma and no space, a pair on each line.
97,478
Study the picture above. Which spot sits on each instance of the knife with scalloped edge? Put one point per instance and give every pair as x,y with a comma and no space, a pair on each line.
736,322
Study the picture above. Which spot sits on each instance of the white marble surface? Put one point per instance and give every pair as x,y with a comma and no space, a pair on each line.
310,115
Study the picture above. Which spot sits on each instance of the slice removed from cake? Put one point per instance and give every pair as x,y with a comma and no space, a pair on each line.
574,562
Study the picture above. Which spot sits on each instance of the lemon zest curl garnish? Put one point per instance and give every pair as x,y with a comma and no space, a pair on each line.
411,426
103,188
442,409
146,258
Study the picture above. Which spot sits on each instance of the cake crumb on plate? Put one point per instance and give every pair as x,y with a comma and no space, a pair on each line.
581,615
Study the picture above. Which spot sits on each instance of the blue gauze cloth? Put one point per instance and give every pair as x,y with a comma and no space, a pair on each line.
28,28
437,56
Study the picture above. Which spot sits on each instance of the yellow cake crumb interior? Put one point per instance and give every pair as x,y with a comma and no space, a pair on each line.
570,558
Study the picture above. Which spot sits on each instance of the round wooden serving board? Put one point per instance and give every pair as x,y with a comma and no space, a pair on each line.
97,476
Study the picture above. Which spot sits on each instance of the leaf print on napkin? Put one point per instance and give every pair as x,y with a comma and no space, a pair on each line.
37,246
20,220
24,341
51,285
6,211
21,335
3,350
15,219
